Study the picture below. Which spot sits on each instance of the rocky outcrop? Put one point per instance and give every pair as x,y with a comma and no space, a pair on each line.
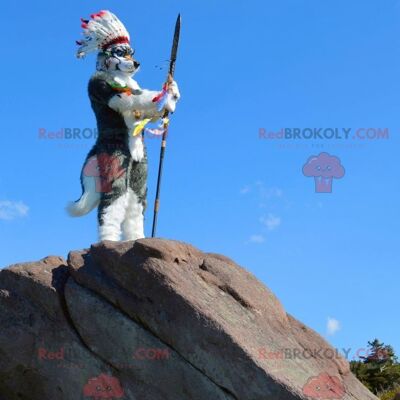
157,320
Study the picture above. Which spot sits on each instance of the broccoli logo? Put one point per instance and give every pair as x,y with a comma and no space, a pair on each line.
324,387
323,168
105,169
103,387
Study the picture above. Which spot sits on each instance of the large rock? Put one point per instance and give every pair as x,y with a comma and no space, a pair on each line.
157,320
41,354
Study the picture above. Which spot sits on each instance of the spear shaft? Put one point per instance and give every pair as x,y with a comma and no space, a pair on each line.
170,78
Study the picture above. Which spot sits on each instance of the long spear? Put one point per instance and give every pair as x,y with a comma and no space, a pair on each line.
170,79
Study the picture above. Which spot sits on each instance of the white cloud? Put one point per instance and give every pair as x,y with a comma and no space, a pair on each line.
264,192
10,210
257,239
267,193
332,326
245,189
271,221
268,198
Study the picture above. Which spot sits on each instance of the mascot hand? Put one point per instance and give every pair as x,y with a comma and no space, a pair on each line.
173,97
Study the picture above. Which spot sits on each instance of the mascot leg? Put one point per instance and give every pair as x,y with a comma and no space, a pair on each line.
133,225
111,216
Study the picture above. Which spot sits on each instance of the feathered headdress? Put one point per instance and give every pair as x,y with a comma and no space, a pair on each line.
102,31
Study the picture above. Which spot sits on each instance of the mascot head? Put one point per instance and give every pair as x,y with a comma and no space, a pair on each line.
104,33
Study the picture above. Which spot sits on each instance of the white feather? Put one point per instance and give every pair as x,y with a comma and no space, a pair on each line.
99,31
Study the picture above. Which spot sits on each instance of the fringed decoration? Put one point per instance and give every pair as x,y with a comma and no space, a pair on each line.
120,89
161,98
140,126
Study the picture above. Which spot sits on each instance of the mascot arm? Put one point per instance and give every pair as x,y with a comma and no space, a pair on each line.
138,99
120,99
123,100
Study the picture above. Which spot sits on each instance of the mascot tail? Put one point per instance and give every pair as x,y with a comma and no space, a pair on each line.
90,196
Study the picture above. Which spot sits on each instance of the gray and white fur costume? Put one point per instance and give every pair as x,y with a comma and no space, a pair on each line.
114,175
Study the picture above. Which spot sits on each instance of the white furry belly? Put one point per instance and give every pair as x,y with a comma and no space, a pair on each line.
136,147
135,143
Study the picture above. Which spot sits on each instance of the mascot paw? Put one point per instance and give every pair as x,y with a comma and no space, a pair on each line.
173,97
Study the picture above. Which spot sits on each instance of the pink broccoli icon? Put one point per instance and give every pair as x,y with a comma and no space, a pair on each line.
103,387
324,387
105,169
323,168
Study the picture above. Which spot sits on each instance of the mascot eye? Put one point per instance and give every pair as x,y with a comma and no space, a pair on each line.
123,52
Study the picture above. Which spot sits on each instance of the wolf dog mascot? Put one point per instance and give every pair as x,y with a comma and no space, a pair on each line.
114,174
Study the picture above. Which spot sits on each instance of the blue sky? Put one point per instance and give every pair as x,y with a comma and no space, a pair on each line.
242,66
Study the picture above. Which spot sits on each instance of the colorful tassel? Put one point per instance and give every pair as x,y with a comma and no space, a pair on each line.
161,94
162,102
140,126
161,98
154,132
161,128
119,88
